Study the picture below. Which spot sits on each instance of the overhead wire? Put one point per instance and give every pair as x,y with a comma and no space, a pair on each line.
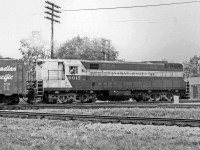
126,7
129,7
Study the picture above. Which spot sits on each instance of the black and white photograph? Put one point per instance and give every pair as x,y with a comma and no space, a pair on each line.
100,75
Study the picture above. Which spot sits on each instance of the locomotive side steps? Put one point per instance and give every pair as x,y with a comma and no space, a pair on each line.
187,90
40,88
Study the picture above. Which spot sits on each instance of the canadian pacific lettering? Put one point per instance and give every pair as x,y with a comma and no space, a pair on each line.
6,77
8,68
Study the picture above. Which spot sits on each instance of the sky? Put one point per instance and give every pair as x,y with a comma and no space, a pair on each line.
138,34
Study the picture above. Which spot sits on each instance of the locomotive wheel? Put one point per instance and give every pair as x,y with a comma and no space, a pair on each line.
47,99
164,97
146,97
84,99
71,98
157,98
91,99
170,97
53,100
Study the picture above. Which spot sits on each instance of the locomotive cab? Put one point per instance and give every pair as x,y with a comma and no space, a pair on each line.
53,82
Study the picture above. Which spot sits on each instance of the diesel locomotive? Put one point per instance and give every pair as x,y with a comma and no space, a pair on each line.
68,80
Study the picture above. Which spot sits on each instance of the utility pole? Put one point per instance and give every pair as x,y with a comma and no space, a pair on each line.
108,50
52,12
104,53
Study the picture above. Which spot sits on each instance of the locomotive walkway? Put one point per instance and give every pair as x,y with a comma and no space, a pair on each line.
103,119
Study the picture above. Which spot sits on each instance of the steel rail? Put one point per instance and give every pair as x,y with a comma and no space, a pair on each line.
97,105
103,119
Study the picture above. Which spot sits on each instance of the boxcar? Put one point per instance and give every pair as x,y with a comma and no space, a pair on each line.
12,80
60,80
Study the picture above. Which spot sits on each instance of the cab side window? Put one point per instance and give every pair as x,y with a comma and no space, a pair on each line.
94,66
73,70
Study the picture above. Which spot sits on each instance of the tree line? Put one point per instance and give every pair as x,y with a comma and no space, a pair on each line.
83,48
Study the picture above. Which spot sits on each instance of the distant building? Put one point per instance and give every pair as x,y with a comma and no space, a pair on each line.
194,87
194,84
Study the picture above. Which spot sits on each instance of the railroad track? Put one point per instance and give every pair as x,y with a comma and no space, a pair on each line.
98,105
103,119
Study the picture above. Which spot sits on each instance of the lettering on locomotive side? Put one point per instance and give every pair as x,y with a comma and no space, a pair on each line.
73,77
6,77
131,73
8,68
138,73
